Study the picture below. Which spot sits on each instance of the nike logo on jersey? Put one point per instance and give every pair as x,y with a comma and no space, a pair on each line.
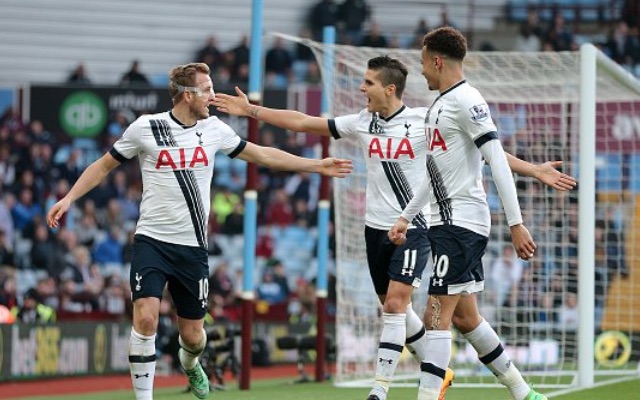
179,158
388,148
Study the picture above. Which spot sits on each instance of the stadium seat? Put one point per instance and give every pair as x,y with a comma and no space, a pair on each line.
22,252
299,69
223,179
609,173
222,164
634,173
159,80
238,167
113,268
25,280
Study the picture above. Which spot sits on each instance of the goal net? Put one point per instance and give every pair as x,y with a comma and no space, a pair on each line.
535,102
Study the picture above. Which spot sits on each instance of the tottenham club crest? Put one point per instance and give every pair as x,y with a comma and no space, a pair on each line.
406,127
479,112
439,112
138,279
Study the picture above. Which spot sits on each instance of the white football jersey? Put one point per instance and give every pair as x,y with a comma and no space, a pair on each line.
395,155
457,124
177,167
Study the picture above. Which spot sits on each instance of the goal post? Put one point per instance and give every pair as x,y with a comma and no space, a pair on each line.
587,208
570,317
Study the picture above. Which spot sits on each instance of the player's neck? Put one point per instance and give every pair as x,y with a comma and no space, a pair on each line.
183,115
391,109
450,79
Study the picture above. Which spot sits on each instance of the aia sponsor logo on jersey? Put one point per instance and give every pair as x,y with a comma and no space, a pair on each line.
390,148
434,138
179,158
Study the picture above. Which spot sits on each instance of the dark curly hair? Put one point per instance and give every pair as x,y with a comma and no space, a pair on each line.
447,41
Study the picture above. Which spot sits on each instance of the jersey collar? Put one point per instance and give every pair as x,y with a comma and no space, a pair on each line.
401,109
177,121
453,87
442,94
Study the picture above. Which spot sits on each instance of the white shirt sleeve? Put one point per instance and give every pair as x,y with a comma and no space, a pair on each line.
229,139
475,116
345,125
129,144
418,202
494,155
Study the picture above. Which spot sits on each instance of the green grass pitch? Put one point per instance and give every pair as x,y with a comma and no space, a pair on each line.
284,390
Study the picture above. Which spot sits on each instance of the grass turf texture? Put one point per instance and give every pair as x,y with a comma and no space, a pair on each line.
285,390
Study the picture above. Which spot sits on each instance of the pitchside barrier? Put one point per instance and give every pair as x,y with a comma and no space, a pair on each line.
74,348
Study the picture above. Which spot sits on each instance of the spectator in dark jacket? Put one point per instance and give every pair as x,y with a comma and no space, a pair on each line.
324,13
353,14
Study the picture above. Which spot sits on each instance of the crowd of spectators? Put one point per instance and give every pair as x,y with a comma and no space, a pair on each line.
287,63
131,77
621,41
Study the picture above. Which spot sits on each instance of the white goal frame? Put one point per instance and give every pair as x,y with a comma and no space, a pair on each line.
593,65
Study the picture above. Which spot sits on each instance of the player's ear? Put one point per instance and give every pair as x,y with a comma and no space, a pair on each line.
391,89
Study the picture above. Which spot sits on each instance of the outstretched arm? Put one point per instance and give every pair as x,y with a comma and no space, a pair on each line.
288,119
281,160
546,173
90,178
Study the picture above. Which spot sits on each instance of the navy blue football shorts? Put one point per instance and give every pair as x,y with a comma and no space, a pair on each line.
388,262
457,260
185,269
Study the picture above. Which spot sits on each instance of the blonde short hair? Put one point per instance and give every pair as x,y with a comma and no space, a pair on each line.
185,75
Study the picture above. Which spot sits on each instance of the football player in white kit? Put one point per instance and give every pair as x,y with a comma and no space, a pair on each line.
393,140
461,137
176,151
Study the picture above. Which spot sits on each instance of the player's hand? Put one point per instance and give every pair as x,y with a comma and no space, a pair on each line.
549,175
56,212
398,232
335,167
234,105
523,242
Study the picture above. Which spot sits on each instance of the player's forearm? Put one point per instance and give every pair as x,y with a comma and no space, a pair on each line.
281,160
90,178
503,178
521,167
289,119
417,203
